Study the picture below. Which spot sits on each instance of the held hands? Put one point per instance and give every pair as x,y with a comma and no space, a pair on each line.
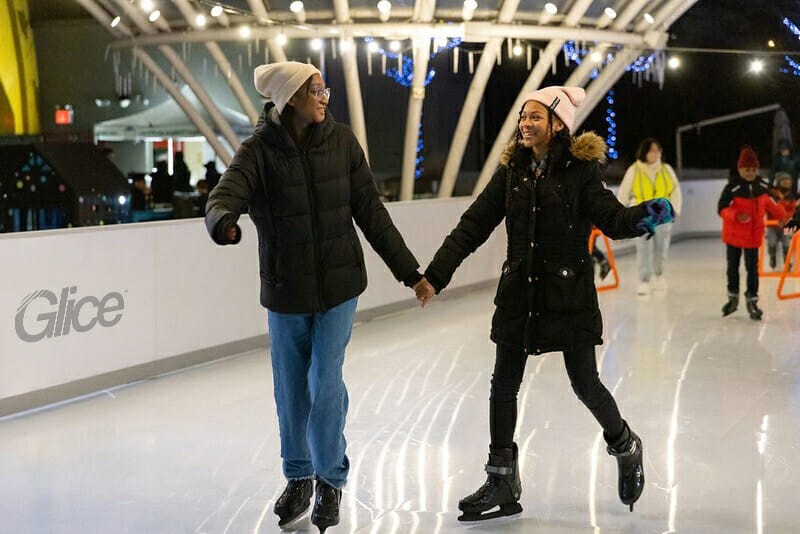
424,291
231,233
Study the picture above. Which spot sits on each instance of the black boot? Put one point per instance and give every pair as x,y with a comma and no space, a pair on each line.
753,309
629,462
294,502
502,488
605,268
326,506
731,305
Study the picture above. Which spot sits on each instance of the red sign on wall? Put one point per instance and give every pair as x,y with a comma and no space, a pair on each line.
63,116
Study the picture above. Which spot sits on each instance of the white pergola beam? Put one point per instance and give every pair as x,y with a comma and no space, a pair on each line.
473,32
261,13
421,54
222,62
531,84
664,18
466,119
180,67
202,126
355,103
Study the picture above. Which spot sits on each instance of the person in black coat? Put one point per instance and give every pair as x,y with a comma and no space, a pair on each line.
550,192
305,180
212,175
161,184
181,176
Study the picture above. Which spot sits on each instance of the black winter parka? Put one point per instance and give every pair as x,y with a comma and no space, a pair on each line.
546,300
303,201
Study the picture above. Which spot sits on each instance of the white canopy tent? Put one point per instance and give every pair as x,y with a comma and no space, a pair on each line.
167,120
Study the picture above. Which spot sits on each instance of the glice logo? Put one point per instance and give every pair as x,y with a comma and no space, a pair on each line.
65,314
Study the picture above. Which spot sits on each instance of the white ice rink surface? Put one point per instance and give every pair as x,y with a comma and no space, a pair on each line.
717,403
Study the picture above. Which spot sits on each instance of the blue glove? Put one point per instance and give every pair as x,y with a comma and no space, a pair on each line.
659,211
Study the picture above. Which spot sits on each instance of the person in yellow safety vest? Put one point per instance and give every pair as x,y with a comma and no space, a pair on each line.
646,179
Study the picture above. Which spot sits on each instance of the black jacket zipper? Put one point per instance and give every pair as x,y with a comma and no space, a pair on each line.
312,205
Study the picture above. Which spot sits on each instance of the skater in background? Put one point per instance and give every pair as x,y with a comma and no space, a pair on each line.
304,179
776,237
743,204
785,161
550,192
646,179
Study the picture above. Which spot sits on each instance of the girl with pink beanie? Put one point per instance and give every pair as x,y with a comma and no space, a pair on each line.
549,191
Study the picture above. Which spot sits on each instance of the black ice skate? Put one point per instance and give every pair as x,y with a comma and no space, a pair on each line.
294,502
501,490
631,471
731,305
326,506
605,268
753,309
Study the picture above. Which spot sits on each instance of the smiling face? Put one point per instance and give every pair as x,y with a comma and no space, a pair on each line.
311,100
534,125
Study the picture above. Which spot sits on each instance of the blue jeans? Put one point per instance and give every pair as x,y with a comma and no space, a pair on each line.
307,357
651,254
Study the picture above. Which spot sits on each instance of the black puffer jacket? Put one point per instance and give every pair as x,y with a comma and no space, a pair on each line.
546,300
303,203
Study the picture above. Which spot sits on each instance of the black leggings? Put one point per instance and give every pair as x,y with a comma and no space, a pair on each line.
582,370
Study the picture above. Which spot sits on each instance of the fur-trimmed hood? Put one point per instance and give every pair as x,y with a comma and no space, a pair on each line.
587,146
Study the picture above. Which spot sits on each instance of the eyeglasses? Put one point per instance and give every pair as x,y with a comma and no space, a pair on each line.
320,93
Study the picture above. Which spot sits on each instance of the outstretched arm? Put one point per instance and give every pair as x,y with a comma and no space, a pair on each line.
474,228
601,207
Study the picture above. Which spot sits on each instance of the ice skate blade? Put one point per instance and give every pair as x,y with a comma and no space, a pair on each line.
291,524
506,510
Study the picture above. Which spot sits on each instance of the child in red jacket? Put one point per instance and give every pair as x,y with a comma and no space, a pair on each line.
742,206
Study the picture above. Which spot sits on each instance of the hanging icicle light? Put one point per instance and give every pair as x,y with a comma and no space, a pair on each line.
345,45
200,20
298,8
147,5
649,18
316,45
597,57
115,21
551,8
517,49
610,13
468,12
216,11
674,62
245,32
394,46
372,46
384,10
281,39
154,16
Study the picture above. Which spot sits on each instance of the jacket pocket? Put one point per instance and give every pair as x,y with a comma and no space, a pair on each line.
511,295
566,286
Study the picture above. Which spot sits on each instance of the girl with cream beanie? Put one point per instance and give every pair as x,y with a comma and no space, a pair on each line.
304,180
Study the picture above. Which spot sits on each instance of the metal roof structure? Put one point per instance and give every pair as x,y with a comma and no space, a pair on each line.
615,33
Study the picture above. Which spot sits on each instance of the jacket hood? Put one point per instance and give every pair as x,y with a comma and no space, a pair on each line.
587,146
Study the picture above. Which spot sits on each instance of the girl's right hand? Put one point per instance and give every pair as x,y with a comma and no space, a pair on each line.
231,233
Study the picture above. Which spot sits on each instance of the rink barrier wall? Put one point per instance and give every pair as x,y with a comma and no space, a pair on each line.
103,307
